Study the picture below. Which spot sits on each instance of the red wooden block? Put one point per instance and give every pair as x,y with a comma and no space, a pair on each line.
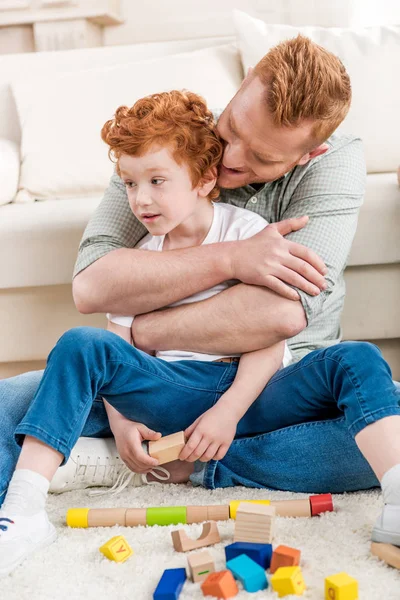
220,585
321,503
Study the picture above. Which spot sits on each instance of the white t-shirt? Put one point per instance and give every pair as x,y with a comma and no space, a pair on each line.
230,223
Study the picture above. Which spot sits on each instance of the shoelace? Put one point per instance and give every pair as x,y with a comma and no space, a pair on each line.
127,476
109,469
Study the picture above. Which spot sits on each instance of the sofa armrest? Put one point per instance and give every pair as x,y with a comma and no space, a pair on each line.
9,170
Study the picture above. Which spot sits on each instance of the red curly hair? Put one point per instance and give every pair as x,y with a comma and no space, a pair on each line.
177,119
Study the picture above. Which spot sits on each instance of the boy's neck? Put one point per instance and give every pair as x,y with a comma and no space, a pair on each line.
193,231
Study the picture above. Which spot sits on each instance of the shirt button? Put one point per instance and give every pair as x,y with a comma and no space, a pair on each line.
253,199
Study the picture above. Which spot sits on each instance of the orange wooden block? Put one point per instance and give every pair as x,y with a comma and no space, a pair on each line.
220,585
284,556
167,448
209,536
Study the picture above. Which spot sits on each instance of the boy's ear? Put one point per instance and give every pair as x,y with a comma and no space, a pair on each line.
207,184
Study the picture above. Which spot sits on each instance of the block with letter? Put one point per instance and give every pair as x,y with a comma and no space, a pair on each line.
170,585
117,549
260,553
201,564
167,448
254,523
284,556
341,587
248,572
220,585
288,580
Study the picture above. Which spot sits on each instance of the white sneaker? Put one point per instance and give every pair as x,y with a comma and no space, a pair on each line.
20,536
94,462
387,526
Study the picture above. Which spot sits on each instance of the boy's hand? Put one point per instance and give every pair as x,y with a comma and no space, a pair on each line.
210,436
129,436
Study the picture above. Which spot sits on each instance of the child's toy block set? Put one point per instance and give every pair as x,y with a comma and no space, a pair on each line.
248,558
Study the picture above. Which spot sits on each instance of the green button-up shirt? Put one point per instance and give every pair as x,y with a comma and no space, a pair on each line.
329,189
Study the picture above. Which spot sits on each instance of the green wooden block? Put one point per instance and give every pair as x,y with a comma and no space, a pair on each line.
166,515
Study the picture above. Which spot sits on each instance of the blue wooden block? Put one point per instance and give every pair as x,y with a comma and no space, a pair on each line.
260,553
170,585
248,572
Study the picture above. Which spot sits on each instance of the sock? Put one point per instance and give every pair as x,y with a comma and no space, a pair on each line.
391,486
26,494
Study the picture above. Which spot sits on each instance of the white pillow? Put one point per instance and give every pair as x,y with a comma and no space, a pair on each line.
61,118
371,56
9,170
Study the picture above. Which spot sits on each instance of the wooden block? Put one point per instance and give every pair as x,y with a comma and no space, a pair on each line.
234,505
201,564
209,535
170,585
292,508
254,523
196,514
218,512
260,553
167,448
220,585
249,573
388,553
341,587
288,580
284,556
136,516
117,549
107,517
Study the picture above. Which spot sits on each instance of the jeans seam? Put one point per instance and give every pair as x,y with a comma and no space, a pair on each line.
43,436
388,411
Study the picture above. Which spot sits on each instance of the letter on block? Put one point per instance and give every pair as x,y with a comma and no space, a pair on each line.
201,565
209,536
341,587
260,553
167,448
170,585
288,580
117,549
284,556
254,523
249,573
220,585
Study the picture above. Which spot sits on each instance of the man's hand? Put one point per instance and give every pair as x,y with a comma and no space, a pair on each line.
129,436
268,259
210,436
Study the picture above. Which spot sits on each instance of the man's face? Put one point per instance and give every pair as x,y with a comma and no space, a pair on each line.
256,149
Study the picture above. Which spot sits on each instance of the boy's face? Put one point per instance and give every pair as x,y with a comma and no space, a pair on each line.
157,185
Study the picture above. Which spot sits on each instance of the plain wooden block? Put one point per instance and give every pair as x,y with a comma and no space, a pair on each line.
284,556
388,553
201,564
292,508
254,523
167,448
209,535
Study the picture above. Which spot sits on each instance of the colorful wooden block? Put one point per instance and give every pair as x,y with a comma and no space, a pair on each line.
248,572
220,585
170,585
166,515
320,504
117,549
284,556
288,580
167,448
260,553
388,553
254,523
209,535
341,587
201,565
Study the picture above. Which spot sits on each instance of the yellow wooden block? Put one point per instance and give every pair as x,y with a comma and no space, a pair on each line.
341,587
288,580
233,506
117,549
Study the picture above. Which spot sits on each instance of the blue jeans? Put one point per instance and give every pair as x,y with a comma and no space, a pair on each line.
298,434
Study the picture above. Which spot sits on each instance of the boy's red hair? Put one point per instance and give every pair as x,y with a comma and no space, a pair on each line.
177,119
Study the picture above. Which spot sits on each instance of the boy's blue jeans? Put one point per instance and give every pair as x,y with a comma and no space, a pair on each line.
298,434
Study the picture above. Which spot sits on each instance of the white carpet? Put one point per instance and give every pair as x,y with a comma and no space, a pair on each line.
73,568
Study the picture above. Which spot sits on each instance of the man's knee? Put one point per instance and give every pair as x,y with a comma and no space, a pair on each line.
80,340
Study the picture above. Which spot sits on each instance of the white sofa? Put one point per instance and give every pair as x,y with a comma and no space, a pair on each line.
53,171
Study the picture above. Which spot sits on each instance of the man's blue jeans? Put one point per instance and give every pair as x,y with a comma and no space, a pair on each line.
298,434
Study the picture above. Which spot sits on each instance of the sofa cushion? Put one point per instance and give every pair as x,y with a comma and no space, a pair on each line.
9,170
371,56
61,118
41,239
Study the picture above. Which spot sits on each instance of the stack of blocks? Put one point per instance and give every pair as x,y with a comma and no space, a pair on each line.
254,523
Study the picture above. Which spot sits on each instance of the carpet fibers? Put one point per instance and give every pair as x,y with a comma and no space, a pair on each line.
73,568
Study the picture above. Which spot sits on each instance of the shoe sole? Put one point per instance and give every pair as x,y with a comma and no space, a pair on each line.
46,542
385,537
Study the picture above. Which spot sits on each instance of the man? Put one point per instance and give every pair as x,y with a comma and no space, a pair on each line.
282,161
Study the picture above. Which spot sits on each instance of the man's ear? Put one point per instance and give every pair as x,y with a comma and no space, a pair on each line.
313,154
